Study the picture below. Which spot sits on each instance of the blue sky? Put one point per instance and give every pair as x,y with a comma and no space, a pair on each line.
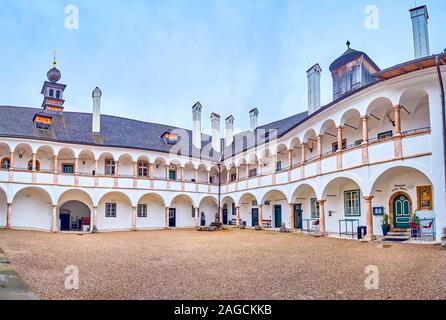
154,59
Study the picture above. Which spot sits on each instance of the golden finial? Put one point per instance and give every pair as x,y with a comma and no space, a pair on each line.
54,59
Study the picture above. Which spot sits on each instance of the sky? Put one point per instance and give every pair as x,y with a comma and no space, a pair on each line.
154,59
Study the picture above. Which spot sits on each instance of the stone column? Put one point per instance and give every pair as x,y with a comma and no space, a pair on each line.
95,219
167,217
339,151
11,167
196,214
54,220
135,169
397,110
196,175
260,215
181,173
365,140
96,168
34,162
322,216
303,159
209,177
369,218
8,215
55,165
167,172
319,146
247,171
151,170
220,215
228,175
290,159
292,226
237,171
237,211
134,215
116,168
76,171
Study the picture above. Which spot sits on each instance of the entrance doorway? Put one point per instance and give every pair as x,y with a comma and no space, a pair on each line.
401,210
203,219
172,217
74,216
298,216
225,214
255,216
278,216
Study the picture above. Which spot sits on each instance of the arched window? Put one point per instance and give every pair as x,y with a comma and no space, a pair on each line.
51,93
58,94
6,163
30,165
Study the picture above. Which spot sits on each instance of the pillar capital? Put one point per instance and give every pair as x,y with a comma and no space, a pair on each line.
322,201
368,198
365,117
397,107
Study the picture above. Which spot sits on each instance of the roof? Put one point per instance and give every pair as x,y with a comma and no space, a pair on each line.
76,128
349,56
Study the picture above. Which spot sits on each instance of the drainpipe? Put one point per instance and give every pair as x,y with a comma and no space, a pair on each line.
443,110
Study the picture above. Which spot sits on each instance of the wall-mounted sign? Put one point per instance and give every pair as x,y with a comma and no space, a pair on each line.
401,187
378,211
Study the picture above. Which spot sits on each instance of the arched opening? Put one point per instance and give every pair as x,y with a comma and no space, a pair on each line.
208,211
159,168
275,209
143,164
402,192
106,165
75,207
381,119
44,157
5,156
114,212
214,176
32,209
351,123
329,135
344,200
249,210
229,210
182,212
87,163
125,165
151,212
22,154
415,110
310,145
305,205
282,162
66,161
296,153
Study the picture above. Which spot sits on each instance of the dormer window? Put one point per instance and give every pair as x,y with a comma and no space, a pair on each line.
170,138
57,94
51,93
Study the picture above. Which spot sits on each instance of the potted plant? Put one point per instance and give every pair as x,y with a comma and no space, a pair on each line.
385,225
414,226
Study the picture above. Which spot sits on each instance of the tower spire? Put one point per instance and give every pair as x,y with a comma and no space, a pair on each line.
54,58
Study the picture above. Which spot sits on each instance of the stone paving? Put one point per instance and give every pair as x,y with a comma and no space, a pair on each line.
12,287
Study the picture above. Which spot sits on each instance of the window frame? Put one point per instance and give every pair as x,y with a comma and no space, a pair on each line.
279,166
349,210
385,135
110,164
335,147
8,166
30,165
142,210
143,166
315,208
111,210
67,165
251,171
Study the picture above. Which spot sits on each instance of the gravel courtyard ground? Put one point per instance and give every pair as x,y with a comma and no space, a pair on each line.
232,264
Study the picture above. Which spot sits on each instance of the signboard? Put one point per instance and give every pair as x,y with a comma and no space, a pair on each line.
378,211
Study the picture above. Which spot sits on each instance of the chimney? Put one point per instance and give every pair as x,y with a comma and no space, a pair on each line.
97,94
420,18
196,125
314,88
229,130
254,118
215,127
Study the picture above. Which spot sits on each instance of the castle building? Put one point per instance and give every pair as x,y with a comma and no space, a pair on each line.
377,149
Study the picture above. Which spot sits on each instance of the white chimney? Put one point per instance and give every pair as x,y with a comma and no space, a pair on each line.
254,118
420,18
196,125
97,94
314,88
229,130
215,127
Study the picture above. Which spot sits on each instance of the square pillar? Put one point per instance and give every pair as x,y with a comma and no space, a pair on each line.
196,214
134,215
260,215
237,210
95,219
292,226
322,216
369,218
8,215
54,219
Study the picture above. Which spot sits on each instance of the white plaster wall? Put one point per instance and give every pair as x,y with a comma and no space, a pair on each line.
3,207
184,218
156,213
123,220
31,209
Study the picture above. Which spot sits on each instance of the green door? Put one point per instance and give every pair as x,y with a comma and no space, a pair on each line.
401,212
277,216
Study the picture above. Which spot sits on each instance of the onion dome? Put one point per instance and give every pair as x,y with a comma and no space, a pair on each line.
54,75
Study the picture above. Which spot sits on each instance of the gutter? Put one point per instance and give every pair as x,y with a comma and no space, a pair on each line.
443,111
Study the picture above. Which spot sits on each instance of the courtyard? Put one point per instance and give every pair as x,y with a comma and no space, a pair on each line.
231,264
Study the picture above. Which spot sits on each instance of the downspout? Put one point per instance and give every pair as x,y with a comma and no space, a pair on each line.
219,191
443,111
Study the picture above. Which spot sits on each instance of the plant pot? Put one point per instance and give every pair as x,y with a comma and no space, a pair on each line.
386,230
414,233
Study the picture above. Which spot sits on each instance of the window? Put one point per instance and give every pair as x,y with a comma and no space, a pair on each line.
253,172
193,212
110,210
110,167
170,138
385,135
142,211
51,93
358,142
57,94
314,208
211,180
233,209
6,163
352,203
233,177
68,168
143,169
424,195
278,166
30,165
172,174
335,145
